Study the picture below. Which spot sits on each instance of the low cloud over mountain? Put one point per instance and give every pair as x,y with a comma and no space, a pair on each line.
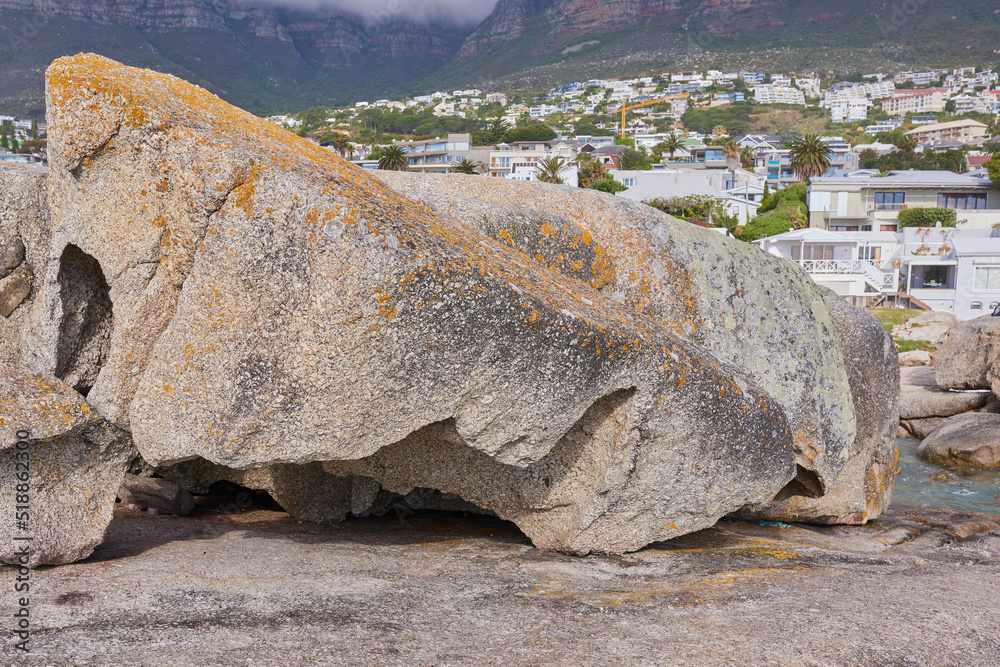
454,12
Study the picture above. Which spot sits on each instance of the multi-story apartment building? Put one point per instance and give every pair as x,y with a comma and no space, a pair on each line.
964,131
931,100
440,155
768,94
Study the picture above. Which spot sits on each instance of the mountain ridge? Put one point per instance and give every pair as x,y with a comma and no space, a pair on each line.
270,59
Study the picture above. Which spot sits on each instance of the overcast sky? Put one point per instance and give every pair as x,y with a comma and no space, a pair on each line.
461,12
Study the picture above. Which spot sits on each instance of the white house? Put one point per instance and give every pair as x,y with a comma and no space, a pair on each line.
946,269
855,266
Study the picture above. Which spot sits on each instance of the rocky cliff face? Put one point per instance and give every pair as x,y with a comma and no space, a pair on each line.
560,18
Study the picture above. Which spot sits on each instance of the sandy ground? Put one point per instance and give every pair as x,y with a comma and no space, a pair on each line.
258,588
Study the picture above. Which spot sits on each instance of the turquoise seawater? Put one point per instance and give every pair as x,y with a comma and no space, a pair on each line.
966,489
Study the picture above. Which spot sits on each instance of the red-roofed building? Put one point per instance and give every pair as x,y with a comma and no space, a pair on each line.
930,100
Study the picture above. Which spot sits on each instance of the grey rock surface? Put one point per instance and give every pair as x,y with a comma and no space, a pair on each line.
863,489
966,440
260,588
969,356
920,397
24,223
74,461
159,494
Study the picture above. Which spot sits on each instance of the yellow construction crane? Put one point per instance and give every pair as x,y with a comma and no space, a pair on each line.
626,109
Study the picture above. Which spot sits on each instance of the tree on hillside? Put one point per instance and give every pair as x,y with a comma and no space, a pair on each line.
342,145
551,169
393,159
810,157
993,166
495,129
34,130
466,166
630,159
4,140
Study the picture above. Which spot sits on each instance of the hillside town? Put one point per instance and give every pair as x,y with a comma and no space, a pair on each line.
900,154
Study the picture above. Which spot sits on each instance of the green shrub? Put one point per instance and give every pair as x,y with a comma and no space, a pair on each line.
927,217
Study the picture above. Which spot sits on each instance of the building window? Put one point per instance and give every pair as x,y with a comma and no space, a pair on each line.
888,228
889,201
976,306
628,182
812,252
975,201
987,278
844,228
870,254
934,277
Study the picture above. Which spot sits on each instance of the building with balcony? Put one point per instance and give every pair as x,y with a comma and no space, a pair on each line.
440,155
963,131
852,204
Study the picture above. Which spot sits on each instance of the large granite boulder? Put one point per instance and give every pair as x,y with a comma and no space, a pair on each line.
969,356
966,440
60,466
227,291
754,310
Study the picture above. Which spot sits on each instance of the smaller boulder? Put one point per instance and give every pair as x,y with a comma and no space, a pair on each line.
920,397
11,256
14,289
966,440
160,494
921,428
969,356
931,326
915,358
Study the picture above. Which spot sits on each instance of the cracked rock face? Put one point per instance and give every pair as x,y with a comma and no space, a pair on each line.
75,462
750,309
272,305
24,237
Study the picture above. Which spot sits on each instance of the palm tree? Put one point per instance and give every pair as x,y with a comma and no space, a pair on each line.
342,145
810,157
550,169
908,144
747,157
393,159
466,166
731,151
672,144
